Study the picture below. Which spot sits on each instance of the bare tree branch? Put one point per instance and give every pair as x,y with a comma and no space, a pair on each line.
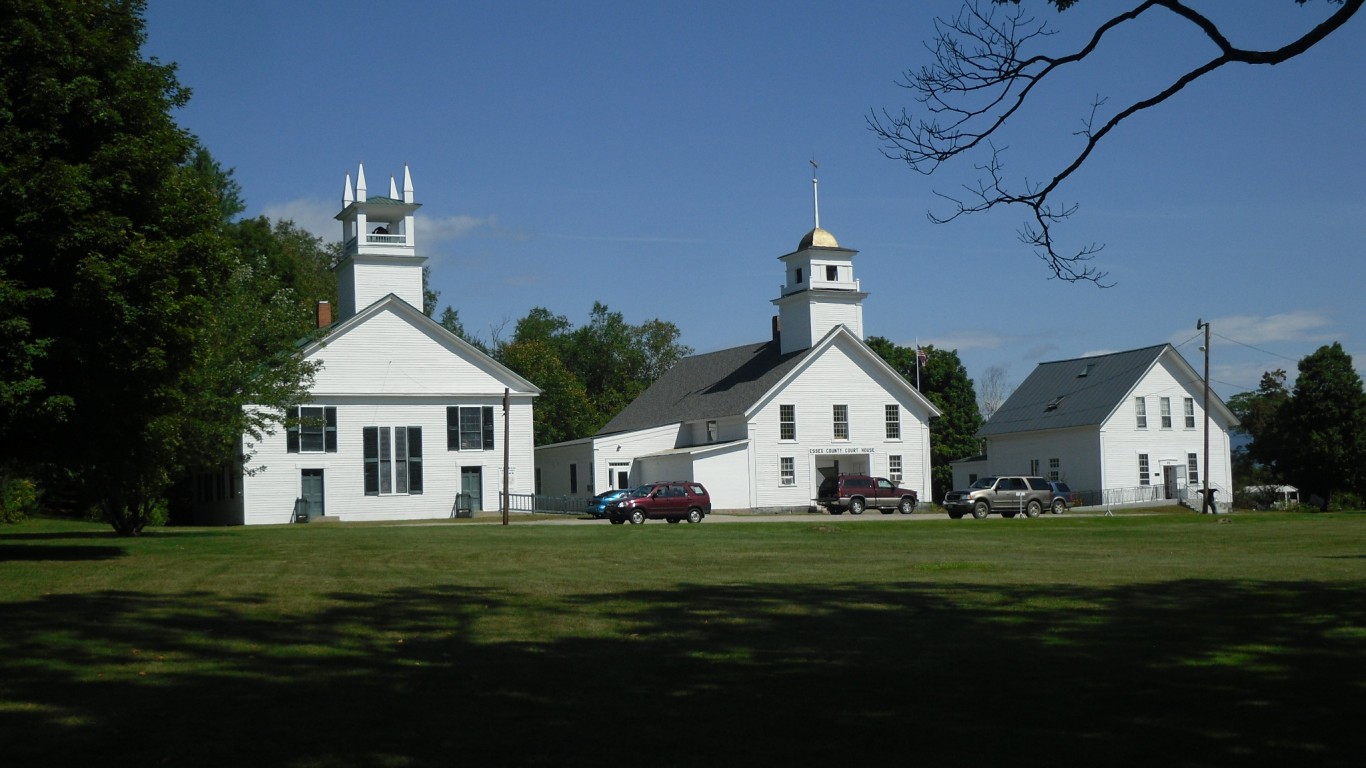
980,77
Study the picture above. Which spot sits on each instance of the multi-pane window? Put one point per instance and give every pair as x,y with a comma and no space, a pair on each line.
1190,413
469,428
894,468
893,421
1166,404
1192,468
313,430
1143,469
1054,469
787,470
1141,413
841,422
393,460
787,422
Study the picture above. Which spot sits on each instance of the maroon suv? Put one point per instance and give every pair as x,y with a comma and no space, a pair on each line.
858,492
673,501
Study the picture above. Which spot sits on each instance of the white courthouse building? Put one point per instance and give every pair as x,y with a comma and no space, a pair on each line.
403,416
762,424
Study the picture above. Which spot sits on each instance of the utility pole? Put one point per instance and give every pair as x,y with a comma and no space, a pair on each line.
1206,501
507,453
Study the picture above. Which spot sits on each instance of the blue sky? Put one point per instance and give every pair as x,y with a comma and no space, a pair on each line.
567,153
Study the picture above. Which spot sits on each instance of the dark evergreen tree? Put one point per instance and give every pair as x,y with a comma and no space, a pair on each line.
943,380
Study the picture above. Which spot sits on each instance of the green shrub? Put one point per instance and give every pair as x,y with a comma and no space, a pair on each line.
18,499
1344,501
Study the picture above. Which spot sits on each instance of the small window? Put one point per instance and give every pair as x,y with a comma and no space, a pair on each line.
313,430
1190,413
894,468
841,419
787,422
832,273
893,420
799,275
1054,469
1192,468
1143,476
787,471
469,428
1141,413
1166,406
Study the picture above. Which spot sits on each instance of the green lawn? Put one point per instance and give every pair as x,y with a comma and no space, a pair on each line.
1171,639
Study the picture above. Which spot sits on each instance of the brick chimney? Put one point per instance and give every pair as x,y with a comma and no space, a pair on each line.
324,314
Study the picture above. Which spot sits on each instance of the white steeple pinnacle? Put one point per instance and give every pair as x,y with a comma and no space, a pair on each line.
347,197
393,188
815,193
407,185
360,184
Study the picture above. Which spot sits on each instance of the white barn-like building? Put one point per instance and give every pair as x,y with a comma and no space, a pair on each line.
761,425
403,416
1121,427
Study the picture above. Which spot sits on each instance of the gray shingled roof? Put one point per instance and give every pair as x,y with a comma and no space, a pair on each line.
1071,393
709,386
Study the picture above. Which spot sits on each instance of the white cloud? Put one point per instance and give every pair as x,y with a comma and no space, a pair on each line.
1297,326
965,340
318,217
315,216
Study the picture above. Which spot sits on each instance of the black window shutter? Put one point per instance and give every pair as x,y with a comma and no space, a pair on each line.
488,427
330,430
414,459
370,443
292,432
452,428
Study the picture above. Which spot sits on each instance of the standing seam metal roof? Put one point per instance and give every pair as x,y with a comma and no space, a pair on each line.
1086,391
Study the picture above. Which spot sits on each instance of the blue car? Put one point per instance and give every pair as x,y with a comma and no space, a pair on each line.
600,505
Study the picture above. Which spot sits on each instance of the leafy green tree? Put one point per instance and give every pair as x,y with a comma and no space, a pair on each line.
1261,415
612,361
984,70
129,314
1326,418
944,381
563,411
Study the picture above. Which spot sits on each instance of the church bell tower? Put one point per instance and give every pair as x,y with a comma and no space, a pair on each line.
820,291
379,252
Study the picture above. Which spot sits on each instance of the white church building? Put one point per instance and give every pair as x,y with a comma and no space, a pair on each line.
405,419
762,424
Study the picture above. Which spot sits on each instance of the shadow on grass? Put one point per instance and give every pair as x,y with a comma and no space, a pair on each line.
16,552
1180,673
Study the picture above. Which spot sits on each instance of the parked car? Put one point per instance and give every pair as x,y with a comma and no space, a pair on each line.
1063,496
858,492
673,501
600,505
1007,496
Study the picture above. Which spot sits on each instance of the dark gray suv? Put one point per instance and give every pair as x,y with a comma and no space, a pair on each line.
1007,496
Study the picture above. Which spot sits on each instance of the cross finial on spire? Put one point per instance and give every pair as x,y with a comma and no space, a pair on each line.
815,193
